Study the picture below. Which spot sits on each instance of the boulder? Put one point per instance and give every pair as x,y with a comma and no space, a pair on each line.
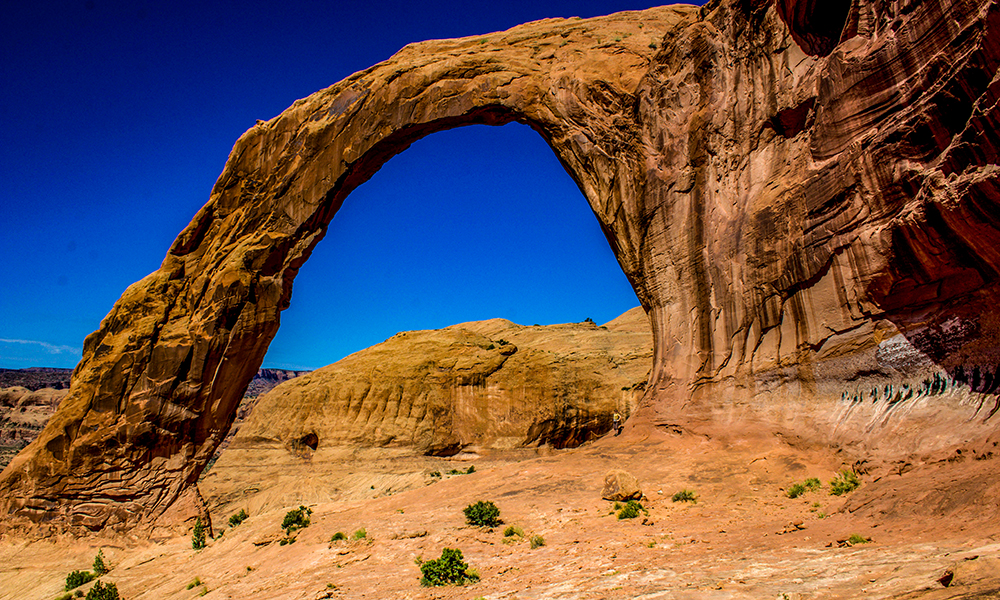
621,486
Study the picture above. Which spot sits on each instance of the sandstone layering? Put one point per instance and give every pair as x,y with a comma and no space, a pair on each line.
382,420
488,384
804,196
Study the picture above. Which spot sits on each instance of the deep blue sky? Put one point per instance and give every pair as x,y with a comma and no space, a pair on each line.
119,116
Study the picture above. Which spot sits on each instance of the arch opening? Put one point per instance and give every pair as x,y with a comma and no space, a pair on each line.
467,224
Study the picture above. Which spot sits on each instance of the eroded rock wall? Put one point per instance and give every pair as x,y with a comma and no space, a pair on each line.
808,218
830,214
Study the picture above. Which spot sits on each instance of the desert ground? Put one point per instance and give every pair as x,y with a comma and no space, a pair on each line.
933,529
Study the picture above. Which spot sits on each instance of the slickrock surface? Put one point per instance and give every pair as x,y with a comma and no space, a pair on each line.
743,539
804,196
489,384
366,425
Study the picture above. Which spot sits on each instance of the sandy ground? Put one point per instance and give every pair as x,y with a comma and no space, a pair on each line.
744,538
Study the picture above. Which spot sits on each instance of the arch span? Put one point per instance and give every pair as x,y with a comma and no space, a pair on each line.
159,382
811,236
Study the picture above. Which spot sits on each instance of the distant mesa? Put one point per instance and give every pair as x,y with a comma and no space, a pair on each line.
804,196
36,378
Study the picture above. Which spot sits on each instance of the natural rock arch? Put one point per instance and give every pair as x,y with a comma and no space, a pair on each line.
766,205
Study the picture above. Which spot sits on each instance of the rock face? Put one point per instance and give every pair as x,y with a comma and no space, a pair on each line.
385,419
803,195
487,384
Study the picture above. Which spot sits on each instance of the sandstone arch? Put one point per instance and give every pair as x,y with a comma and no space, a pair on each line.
779,215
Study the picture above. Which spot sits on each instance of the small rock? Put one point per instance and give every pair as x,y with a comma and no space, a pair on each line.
267,538
620,486
409,535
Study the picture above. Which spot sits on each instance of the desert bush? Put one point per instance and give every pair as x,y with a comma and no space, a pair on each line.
856,539
238,518
630,510
198,535
796,490
296,519
100,567
843,483
471,470
77,578
101,591
360,534
482,514
513,530
450,569
194,584
537,541
685,496
340,535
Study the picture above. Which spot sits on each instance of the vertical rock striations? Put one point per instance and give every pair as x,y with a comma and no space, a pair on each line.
803,194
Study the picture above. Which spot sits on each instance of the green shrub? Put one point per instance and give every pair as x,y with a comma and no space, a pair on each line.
471,469
340,535
685,496
513,530
198,535
78,593
360,534
66,596
238,518
450,569
101,591
296,519
843,483
630,510
77,578
856,539
537,541
194,584
100,567
796,490
482,514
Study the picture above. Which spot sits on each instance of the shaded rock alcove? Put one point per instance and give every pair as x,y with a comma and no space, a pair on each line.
802,214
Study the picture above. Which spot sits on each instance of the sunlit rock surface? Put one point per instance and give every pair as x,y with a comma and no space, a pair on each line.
486,384
804,197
